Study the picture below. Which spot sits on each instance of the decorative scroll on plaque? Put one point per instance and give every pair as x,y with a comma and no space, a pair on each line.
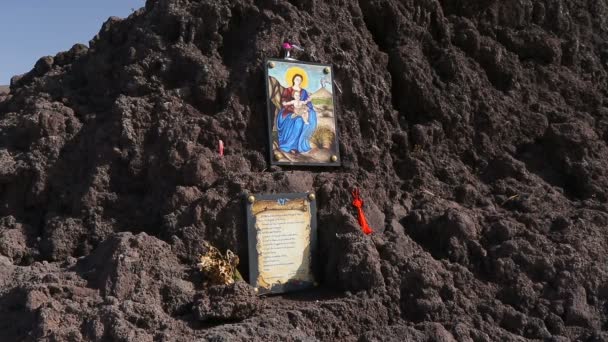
282,242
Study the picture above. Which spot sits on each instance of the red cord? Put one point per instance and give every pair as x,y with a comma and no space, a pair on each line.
221,148
358,203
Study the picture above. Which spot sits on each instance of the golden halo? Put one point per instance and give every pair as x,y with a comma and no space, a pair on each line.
291,72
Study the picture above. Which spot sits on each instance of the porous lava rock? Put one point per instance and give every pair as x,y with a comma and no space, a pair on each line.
476,130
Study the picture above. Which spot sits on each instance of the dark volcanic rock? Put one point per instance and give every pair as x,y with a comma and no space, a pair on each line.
476,130
232,302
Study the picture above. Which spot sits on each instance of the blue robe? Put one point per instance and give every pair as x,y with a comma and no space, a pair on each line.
294,134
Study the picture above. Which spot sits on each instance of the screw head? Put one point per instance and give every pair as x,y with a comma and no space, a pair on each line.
334,158
271,64
256,290
277,156
251,199
312,197
326,70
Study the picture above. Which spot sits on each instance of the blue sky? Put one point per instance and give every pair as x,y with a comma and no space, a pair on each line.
31,29
315,73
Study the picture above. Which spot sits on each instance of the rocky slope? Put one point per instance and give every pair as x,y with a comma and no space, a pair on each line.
477,131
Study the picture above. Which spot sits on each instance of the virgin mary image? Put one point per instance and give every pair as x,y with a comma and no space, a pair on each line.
297,118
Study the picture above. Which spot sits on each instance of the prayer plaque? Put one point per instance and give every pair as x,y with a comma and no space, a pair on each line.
282,232
302,127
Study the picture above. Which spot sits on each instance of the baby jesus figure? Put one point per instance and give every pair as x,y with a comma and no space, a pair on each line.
300,107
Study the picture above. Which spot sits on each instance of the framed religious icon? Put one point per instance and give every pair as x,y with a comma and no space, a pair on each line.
282,234
302,126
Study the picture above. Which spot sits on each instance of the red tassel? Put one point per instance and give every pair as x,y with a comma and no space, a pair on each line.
221,148
358,203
